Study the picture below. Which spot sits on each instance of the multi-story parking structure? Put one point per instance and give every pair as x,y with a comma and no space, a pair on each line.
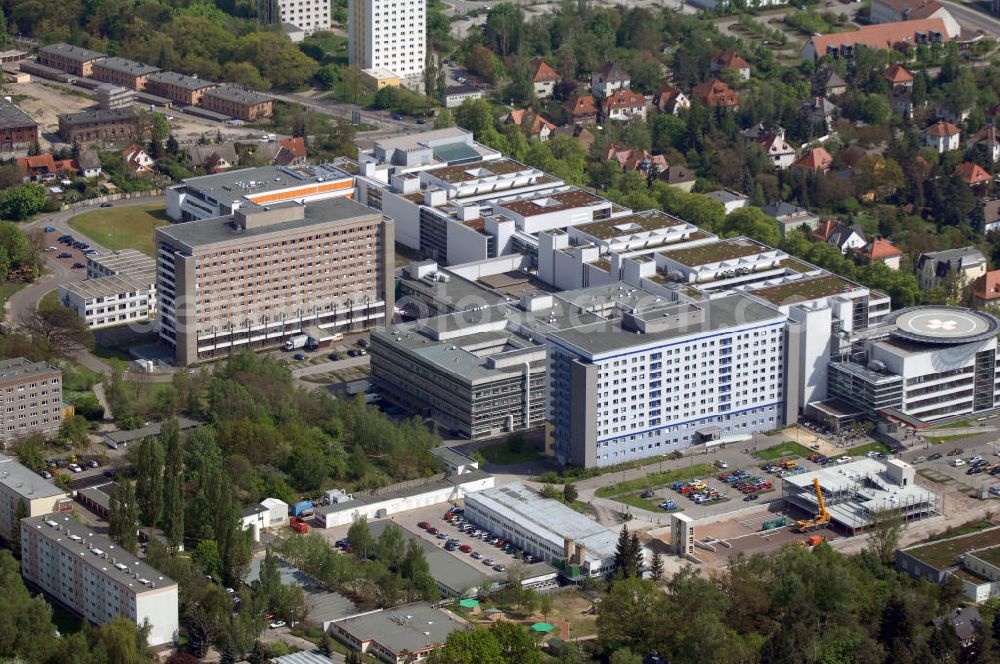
263,273
94,578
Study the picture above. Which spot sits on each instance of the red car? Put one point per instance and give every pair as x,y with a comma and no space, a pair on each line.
465,548
432,531
423,525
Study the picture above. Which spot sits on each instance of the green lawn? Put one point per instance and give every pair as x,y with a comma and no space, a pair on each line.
786,449
505,454
655,480
6,291
935,440
874,446
958,424
635,500
129,227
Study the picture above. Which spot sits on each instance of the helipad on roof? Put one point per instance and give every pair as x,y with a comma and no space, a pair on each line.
943,325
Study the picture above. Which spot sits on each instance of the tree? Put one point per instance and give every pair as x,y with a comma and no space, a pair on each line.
624,656
444,119
545,605
516,645
19,203
753,223
474,115
75,430
207,557
656,567
569,493
57,329
503,28
123,516
628,554
360,537
391,546
884,528
172,516
350,77
326,645
474,646
29,451
20,512
269,582
632,614
149,479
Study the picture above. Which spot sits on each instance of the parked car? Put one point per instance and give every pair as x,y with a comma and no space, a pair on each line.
648,493
432,531
423,525
92,463
73,468
958,463
334,356
50,229
975,459
975,470
105,205
490,562
465,548
64,254
956,452
397,116
934,457
995,490
476,555
500,568
276,624
46,474
752,496
299,356
919,459
79,266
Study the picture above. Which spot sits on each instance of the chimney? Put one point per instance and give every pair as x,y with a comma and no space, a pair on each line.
568,550
581,554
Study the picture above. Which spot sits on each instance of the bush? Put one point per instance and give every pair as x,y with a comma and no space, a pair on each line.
87,406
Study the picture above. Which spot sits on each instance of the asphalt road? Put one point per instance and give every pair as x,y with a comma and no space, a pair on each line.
972,18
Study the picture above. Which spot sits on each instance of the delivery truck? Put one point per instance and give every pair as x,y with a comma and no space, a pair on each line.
296,342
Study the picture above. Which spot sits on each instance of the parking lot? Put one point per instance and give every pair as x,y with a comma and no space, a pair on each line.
972,469
67,249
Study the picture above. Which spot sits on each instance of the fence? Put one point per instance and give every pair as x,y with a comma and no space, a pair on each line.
93,202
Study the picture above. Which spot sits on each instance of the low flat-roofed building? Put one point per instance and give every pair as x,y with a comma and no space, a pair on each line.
376,79
455,95
187,90
17,130
126,73
379,505
237,102
69,58
110,128
545,528
111,301
405,633
428,149
94,578
323,606
973,559
426,290
853,491
20,484
121,438
33,399
220,194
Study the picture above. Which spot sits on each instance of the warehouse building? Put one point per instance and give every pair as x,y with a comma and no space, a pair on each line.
112,127
217,195
379,505
21,485
94,578
238,103
68,58
407,633
126,73
545,528
17,130
181,89
284,267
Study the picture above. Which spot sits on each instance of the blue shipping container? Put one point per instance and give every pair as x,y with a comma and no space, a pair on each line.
298,509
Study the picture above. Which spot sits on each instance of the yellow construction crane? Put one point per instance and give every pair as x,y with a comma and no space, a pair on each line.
822,516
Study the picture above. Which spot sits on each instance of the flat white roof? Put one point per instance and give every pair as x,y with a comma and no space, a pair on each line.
547,518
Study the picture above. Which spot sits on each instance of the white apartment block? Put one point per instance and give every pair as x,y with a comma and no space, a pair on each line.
94,578
120,288
388,34
308,15
664,376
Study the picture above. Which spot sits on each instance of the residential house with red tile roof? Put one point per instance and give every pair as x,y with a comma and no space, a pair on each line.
817,160
579,133
945,130
730,61
986,289
943,137
582,110
987,138
895,11
882,251
544,78
43,167
671,100
779,151
532,123
898,76
624,105
631,159
136,160
843,236
882,37
973,174
716,93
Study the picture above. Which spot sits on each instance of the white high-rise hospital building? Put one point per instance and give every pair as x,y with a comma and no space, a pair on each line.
390,35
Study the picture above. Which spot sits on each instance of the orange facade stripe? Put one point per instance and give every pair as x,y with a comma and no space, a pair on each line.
310,190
